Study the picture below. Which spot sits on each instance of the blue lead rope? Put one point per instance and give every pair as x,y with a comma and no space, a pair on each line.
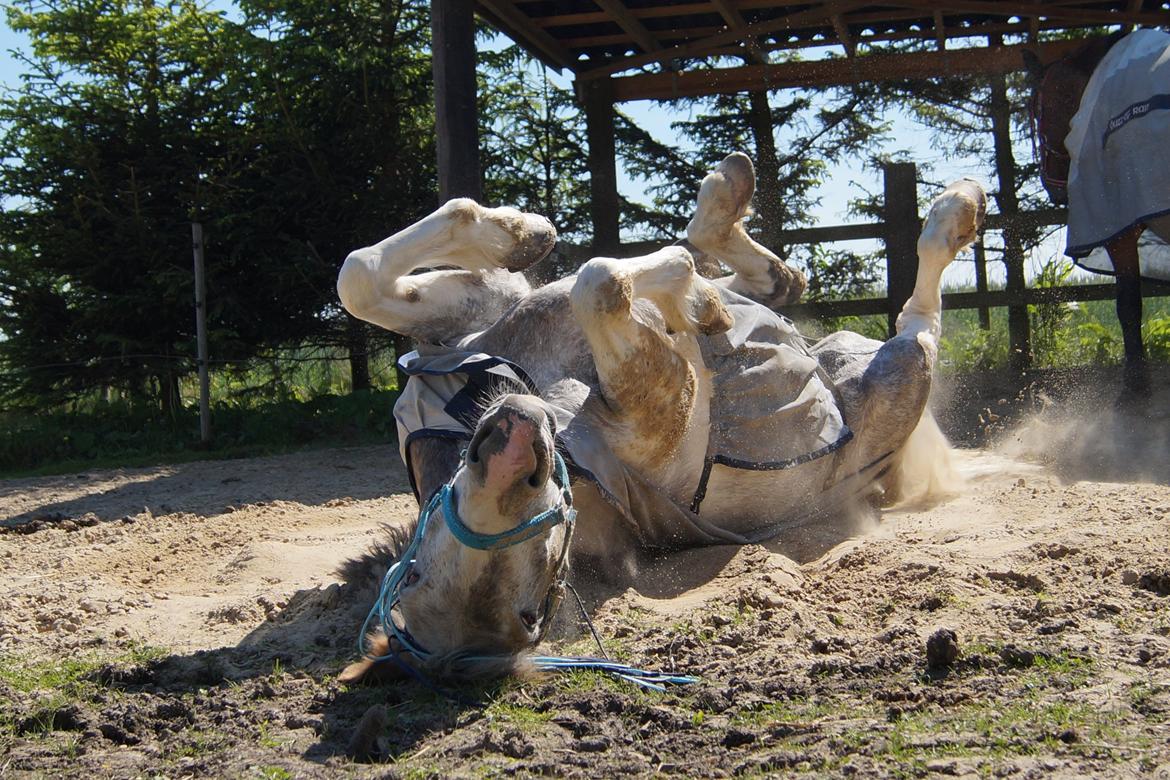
383,607
651,680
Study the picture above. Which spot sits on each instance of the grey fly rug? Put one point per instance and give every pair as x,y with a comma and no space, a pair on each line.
773,408
1119,142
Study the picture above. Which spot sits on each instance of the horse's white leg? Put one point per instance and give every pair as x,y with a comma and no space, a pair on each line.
649,385
487,245
886,397
717,230
952,223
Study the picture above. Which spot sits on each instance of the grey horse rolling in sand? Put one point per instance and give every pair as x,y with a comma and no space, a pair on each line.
670,410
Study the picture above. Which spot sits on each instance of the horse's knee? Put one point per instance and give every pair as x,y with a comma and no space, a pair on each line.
899,376
356,285
602,289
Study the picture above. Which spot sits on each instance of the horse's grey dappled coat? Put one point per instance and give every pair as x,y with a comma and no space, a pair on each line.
693,414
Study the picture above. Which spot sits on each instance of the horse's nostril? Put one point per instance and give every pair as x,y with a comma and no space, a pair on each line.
529,619
411,578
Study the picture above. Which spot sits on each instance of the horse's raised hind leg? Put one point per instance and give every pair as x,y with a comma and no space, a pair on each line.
487,246
1123,252
717,230
636,315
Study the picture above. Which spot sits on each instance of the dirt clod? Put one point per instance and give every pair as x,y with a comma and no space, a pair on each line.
942,649
363,743
1156,582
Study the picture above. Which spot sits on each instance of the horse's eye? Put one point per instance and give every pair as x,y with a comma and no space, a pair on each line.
411,578
529,618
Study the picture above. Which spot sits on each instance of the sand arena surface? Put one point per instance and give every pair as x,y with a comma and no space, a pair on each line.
1056,586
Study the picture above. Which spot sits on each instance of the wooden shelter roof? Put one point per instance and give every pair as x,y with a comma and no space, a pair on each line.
660,41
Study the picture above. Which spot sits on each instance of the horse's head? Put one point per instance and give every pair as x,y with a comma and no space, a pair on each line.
490,554
1056,97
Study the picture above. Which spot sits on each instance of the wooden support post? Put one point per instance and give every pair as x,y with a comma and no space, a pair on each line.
902,225
456,115
456,108
597,97
981,282
1019,329
201,334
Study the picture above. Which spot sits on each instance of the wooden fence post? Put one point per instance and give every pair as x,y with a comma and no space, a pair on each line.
902,225
981,281
201,334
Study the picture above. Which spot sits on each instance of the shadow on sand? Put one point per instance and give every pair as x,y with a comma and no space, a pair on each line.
207,488
294,658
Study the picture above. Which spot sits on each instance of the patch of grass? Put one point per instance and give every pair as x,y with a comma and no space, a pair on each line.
1060,670
798,711
106,435
265,738
997,730
56,682
195,744
70,675
274,773
518,715
585,680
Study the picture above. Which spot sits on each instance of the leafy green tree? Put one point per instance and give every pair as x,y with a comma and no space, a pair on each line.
295,136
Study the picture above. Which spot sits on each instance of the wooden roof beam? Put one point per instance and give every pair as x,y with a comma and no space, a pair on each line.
626,20
736,22
835,72
702,47
518,26
940,30
1051,10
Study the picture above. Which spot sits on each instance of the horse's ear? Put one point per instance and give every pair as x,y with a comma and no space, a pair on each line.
1033,66
368,670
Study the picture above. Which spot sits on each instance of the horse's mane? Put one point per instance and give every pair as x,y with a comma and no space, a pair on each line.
1085,58
371,565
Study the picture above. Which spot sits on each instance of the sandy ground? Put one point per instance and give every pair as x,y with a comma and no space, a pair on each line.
1055,586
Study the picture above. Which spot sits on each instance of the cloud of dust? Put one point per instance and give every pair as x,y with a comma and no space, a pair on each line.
1085,436
927,473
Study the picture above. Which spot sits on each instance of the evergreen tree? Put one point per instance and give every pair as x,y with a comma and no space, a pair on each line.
115,134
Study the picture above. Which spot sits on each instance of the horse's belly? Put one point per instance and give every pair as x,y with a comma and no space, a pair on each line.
748,502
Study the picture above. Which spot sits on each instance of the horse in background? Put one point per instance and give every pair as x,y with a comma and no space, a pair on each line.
1101,117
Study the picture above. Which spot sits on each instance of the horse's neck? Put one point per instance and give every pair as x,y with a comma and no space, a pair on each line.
1087,58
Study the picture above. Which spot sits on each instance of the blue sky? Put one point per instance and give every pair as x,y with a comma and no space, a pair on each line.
846,181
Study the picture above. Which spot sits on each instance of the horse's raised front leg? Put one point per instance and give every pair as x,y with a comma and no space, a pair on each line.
487,246
1123,252
717,230
638,316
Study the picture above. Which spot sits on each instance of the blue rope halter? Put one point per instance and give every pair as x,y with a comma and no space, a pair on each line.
563,512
